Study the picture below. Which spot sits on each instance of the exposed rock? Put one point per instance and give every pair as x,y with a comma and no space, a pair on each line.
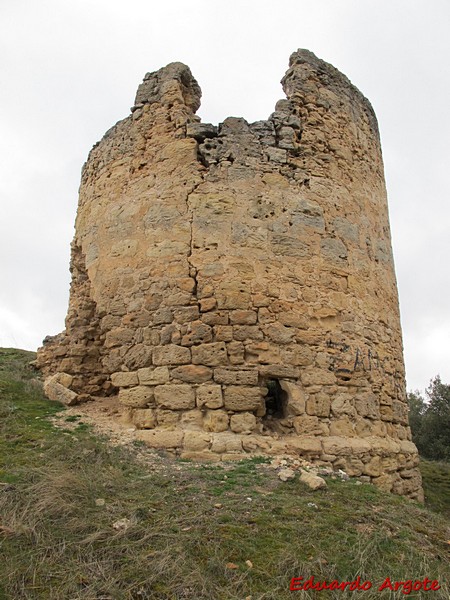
55,390
286,474
314,482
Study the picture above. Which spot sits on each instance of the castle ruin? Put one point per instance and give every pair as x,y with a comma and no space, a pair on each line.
234,284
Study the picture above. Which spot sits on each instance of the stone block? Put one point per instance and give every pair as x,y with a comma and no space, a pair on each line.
153,375
192,373
209,396
171,354
304,445
216,318
236,376
233,296
235,352
318,377
162,316
318,405
373,467
359,447
334,250
291,319
212,355
59,393
342,405
226,442
137,397
191,419
278,333
256,443
286,245
161,438
196,441
384,482
167,418
342,427
125,378
354,467
241,333
367,405
367,428
279,371
144,418
175,396
198,333
389,464
242,398
223,333
243,317
384,446
400,412
137,356
216,421
170,334
295,398
207,304
185,314
308,425
386,413
119,336
243,422
64,379
336,445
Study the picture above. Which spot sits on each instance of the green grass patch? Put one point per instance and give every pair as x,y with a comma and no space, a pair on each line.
436,485
80,519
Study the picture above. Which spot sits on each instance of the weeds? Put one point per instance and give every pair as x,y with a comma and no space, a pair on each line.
80,519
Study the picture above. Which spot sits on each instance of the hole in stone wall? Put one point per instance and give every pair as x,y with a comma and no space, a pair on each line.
344,374
275,400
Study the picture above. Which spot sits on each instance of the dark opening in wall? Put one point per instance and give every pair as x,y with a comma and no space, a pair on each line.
275,400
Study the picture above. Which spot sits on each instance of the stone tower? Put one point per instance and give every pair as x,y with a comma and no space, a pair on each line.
234,285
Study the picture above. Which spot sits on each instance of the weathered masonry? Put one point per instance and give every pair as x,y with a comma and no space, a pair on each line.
234,284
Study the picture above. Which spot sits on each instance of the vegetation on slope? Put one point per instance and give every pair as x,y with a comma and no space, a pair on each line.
80,519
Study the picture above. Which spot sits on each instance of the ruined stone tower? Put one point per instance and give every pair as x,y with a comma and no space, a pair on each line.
234,285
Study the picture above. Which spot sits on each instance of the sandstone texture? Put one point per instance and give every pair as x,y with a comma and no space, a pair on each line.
234,284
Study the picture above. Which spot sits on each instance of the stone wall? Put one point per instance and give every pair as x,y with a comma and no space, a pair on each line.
234,284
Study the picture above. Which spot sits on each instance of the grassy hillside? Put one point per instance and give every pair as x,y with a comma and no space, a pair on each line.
80,519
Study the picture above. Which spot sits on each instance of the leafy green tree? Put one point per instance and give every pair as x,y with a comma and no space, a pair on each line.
430,420
417,409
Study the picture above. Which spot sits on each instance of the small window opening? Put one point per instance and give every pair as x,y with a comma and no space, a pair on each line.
275,400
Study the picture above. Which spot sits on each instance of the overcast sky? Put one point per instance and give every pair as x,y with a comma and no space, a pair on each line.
70,68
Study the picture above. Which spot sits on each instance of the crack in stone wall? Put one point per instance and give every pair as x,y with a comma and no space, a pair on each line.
192,268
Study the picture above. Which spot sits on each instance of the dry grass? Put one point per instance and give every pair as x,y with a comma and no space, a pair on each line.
63,496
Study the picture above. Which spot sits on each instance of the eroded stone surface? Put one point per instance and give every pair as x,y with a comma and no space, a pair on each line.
234,284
